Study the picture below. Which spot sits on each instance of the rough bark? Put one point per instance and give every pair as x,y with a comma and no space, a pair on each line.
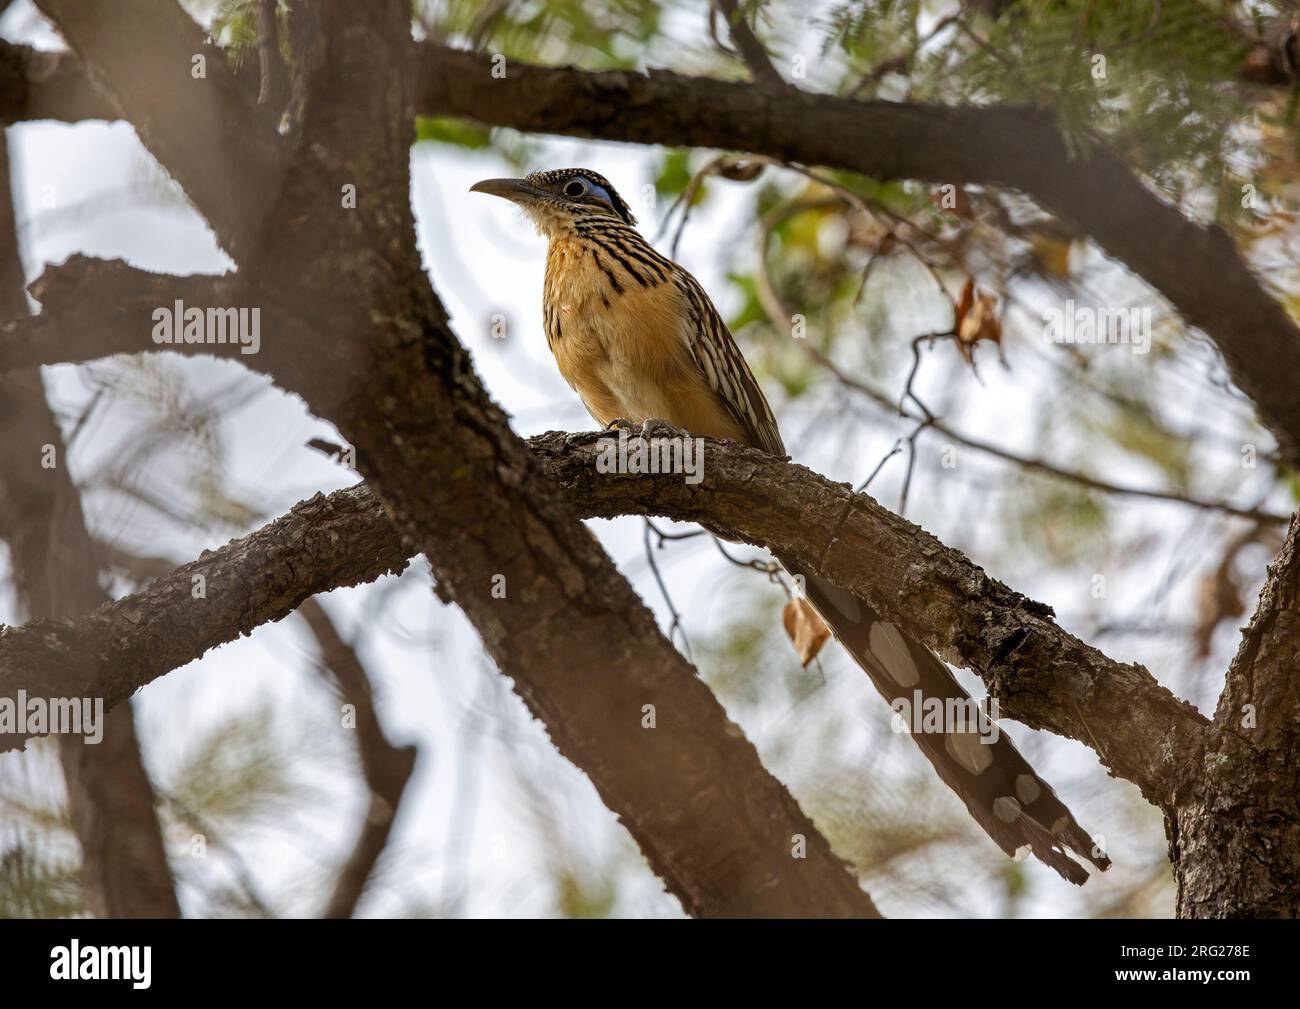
391,374
207,131
1234,830
96,308
323,543
1041,674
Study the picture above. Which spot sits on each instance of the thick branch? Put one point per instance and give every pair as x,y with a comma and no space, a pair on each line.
1042,675
95,308
323,543
346,538
1236,828
155,65
35,84
1196,268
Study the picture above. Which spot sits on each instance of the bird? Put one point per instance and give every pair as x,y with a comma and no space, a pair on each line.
638,339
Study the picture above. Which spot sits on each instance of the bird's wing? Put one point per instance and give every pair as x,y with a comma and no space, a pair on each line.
717,356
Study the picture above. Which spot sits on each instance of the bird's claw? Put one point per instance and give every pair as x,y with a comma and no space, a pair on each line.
652,425
646,429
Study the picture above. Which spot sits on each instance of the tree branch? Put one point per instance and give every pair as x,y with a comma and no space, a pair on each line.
385,767
1040,674
1236,828
321,544
208,133
1262,674
95,308
56,573
35,84
750,48
692,791
1198,269
1034,463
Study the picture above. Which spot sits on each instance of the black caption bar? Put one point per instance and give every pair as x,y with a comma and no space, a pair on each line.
141,959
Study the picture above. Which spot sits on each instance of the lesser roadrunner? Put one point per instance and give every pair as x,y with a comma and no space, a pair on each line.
638,339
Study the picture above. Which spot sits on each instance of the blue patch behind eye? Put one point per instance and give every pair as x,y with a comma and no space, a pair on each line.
599,191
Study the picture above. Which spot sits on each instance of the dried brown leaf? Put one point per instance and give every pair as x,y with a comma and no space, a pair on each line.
807,631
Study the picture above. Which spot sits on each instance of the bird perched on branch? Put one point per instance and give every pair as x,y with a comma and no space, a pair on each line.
638,339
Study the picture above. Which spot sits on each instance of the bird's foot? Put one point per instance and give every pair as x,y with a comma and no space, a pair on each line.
621,424
653,426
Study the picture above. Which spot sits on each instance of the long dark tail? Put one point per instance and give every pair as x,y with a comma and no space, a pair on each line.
1014,805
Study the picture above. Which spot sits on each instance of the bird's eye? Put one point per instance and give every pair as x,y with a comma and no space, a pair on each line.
575,188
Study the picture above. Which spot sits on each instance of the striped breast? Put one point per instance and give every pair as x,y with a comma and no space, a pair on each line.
626,326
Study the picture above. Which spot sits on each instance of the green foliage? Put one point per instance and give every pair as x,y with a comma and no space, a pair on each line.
1149,78
238,772
235,28
866,32
603,34
580,897
35,884
1134,428
675,174
751,310
456,132
1056,520
1154,87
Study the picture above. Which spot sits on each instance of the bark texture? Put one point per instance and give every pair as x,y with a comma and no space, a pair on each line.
1234,829
1042,675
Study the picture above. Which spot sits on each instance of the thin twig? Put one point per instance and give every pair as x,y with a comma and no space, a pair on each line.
898,447
751,50
1253,513
903,61
911,463
676,626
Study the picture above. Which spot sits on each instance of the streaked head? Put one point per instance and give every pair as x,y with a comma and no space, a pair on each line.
557,200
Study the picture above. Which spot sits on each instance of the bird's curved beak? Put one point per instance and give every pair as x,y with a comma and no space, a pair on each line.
508,189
